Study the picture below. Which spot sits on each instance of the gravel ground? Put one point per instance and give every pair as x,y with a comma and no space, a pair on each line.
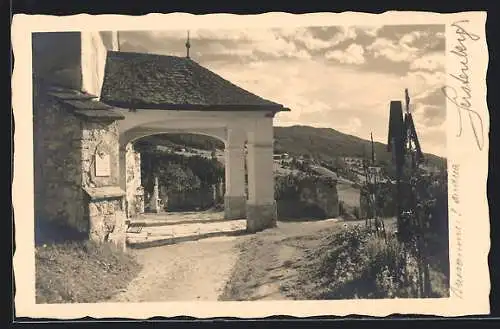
270,261
262,266
183,272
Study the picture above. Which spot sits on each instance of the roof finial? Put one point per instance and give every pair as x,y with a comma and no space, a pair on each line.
188,44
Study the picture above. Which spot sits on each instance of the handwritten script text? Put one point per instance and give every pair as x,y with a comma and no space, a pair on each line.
457,263
461,94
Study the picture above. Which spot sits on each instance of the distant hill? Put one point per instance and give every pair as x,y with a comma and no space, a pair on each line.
190,140
320,143
327,143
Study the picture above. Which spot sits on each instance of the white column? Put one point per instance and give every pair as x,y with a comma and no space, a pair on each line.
235,198
261,206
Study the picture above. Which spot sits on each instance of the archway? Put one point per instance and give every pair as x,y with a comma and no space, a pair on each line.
183,175
111,98
165,94
184,171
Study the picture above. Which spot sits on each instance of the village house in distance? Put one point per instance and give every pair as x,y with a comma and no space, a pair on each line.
91,101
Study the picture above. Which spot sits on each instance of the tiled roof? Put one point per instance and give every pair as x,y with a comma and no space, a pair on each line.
148,81
84,104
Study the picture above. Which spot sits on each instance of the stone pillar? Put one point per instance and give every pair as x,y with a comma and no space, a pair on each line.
123,174
235,198
154,204
261,206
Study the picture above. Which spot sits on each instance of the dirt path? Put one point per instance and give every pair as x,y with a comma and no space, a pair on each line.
252,267
269,262
187,271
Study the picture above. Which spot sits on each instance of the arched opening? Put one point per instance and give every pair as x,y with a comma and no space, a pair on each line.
176,172
186,169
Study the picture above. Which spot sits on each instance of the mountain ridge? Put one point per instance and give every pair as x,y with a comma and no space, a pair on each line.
321,143
328,143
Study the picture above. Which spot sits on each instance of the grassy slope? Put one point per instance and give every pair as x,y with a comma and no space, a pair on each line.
81,272
328,275
315,261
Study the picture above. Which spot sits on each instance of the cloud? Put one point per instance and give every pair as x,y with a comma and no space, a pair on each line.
265,43
303,36
434,115
344,34
353,125
429,39
392,50
433,96
352,55
432,139
371,31
430,62
296,42
421,82
130,46
412,47
219,44
410,38
304,69
430,115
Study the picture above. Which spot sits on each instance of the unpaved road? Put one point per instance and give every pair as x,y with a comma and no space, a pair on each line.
270,261
251,267
186,271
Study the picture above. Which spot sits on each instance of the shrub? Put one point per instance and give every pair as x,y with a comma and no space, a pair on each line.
359,264
180,173
81,272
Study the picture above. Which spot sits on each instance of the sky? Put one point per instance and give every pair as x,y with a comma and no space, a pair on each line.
334,76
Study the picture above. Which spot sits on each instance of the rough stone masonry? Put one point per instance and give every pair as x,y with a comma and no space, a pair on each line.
77,164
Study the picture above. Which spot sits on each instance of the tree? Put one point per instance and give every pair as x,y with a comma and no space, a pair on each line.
178,179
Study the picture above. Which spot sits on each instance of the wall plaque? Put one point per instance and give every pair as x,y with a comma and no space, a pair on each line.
102,164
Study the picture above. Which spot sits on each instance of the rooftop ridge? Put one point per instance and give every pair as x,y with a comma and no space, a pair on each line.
165,81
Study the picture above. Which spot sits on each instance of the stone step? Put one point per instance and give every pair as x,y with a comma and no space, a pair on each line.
190,229
150,236
146,222
140,242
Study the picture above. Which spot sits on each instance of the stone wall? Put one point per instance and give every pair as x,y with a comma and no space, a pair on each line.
102,216
105,202
106,218
306,197
99,137
70,188
135,192
323,194
65,150
57,162
193,200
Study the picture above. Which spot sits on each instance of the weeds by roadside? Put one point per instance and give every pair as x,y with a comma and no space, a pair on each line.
81,272
355,263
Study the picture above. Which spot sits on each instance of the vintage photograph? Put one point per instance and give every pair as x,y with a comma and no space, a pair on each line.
250,164
278,164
